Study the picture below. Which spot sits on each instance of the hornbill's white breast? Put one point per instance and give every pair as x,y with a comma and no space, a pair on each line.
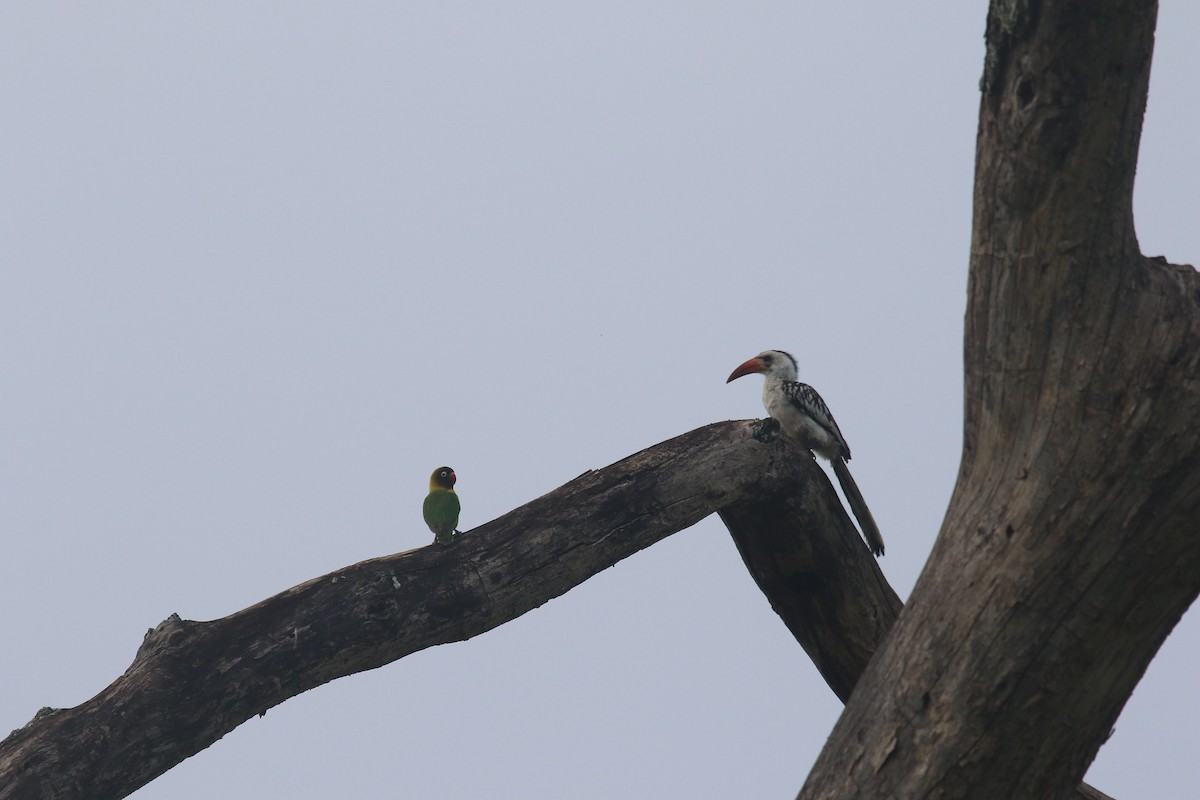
804,416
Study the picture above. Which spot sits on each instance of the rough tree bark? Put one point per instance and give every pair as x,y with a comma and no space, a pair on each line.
1070,548
192,682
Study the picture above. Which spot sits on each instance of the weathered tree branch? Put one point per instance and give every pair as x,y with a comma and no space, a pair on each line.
808,559
193,682
1069,550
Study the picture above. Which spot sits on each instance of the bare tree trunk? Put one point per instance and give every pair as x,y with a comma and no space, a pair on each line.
1070,547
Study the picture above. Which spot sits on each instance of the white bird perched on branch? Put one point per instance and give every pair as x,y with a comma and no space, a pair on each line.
803,415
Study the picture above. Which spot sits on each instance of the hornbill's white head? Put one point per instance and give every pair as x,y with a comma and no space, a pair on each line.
774,364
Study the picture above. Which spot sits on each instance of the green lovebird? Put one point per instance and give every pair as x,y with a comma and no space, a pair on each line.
442,506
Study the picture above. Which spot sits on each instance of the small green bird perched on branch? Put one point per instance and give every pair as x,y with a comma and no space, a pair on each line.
441,505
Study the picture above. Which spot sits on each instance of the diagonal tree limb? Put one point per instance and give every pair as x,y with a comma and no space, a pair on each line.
192,682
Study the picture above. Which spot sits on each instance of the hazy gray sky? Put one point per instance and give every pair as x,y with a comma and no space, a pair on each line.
266,265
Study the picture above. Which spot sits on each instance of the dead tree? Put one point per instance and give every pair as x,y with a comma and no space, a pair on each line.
1068,553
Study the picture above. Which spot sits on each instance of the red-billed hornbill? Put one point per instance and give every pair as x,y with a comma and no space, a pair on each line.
803,416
